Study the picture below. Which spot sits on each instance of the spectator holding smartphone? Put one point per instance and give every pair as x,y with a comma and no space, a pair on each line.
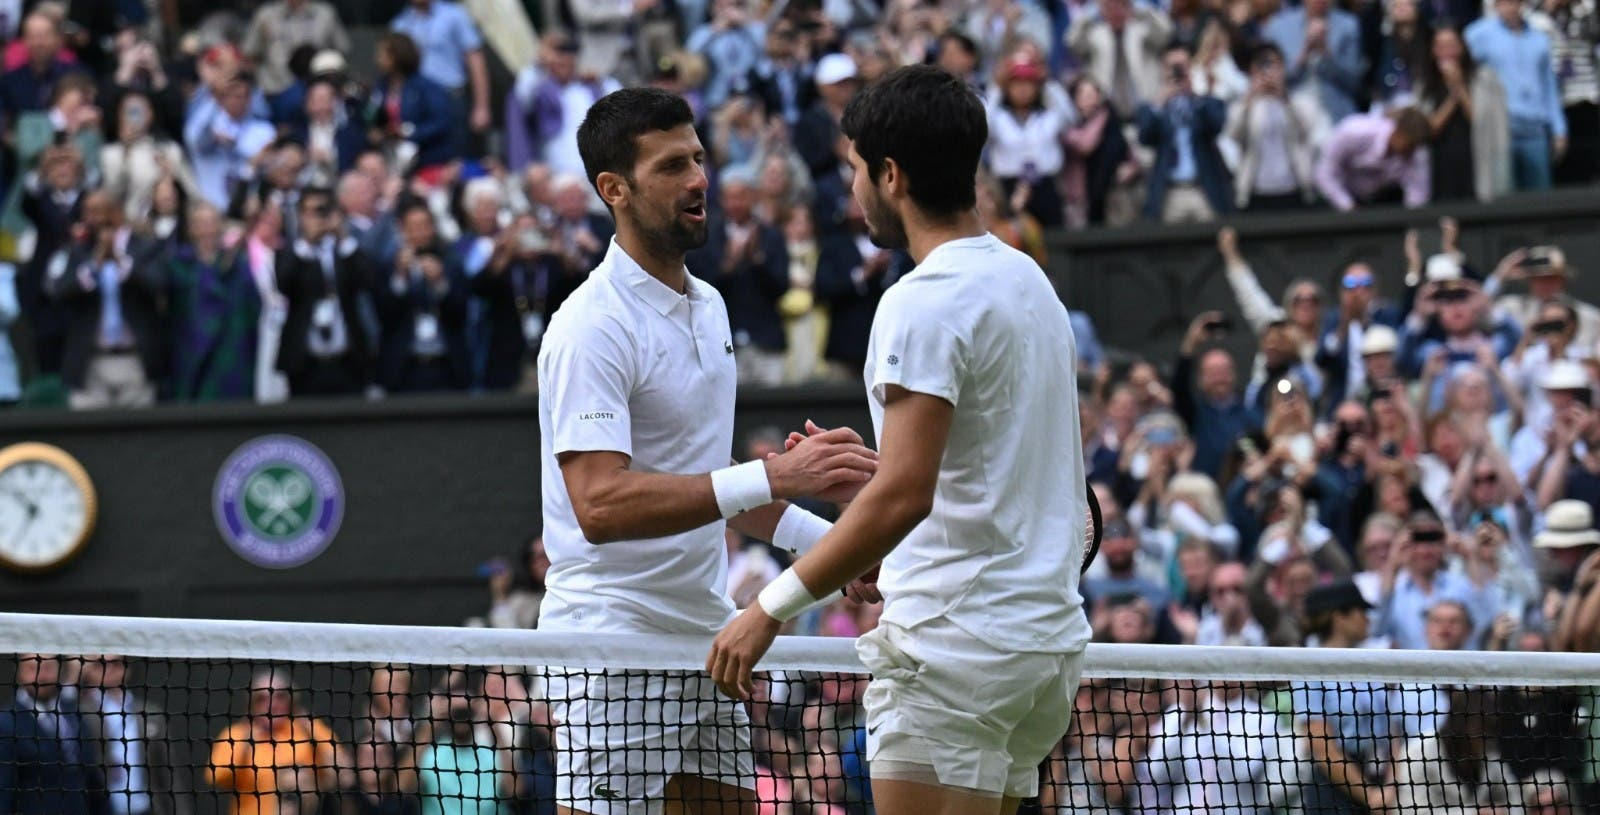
1205,394
1415,578
1546,272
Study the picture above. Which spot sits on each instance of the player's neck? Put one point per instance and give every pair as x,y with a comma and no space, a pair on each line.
665,267
923,235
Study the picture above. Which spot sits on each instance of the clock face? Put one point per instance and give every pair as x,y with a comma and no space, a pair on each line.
44,514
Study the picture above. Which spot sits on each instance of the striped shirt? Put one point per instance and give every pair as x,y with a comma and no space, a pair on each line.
1574,31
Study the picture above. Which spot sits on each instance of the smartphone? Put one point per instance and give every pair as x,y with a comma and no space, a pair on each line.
1428,536
1221,325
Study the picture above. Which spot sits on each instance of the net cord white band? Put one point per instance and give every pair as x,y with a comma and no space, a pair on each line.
167,638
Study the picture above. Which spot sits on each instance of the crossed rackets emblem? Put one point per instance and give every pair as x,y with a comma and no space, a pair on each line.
276,501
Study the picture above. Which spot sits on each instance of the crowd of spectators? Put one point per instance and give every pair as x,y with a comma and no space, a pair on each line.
259,209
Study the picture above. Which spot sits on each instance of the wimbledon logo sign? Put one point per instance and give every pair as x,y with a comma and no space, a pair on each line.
278,501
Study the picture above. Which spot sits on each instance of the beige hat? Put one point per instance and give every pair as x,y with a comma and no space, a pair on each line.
1379,339
1442,267
1567,524
1565,375
1548,261
328,61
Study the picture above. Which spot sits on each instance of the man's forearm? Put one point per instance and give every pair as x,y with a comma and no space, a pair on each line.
632,505
478,68
760,523
867,532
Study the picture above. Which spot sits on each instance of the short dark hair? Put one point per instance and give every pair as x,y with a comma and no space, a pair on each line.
961,40
310,195
933,126
1263,52
75,81
404,58
608,139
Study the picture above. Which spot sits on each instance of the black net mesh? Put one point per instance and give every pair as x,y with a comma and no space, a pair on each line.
93,734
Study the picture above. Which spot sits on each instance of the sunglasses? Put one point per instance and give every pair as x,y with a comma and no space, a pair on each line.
1489,478
1356,281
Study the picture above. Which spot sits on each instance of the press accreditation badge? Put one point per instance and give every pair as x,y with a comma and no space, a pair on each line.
427,328
532,326
326,311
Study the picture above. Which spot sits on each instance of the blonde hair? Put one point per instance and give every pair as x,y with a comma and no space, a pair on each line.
1201,492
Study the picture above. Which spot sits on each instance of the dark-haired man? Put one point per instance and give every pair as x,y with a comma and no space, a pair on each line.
1376,159
973,394
323,276
636,393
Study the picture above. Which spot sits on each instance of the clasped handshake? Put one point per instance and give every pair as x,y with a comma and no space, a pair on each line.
829,465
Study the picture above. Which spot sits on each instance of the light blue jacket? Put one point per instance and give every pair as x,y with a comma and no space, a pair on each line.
1521,59
1338,73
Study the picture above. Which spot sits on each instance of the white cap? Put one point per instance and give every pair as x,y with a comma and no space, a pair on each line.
1567,524
835,68
328,61
1379,339
1443,267
1565,375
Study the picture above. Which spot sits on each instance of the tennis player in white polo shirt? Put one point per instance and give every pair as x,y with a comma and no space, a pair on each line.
636,396
977,510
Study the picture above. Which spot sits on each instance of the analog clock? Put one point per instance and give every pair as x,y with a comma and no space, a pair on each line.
47,507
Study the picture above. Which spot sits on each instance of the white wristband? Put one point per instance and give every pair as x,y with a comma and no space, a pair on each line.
784,598
799,530
741,488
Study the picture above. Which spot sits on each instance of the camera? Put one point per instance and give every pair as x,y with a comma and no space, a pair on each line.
1549,326
1221,325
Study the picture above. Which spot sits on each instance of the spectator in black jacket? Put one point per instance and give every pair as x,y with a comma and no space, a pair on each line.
522,285
818,129
109,284
52,200
45,764
748,262
422,309
852,275
324,278
782,79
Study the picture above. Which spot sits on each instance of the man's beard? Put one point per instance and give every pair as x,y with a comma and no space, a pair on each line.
884,227
674,237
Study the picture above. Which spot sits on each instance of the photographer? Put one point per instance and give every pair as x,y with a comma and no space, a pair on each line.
522,285
422,309
1189,182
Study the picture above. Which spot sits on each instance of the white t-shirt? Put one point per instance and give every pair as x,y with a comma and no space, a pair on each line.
632,366
979,325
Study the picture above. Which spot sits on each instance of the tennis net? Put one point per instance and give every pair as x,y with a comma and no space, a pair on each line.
137,715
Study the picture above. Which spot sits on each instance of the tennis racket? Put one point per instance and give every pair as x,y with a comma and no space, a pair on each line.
1096,527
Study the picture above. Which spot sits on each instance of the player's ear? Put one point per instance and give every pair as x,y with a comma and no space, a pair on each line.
894,180
613,188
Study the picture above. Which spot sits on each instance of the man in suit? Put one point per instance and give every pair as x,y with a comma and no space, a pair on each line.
52,200
364,220
581,237
45,764
1189,182
852,274
816,135
748,262
1344,330
422,308
109,283
325,348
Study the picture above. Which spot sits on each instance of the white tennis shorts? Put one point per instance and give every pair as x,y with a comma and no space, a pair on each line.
621,735
981,718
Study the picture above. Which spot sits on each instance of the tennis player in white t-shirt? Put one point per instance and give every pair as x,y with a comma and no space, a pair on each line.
977,510
636,397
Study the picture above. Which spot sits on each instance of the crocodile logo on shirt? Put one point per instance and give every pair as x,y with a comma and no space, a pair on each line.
605,792
727,346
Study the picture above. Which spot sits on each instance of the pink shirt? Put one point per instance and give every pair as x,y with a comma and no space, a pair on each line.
1355,163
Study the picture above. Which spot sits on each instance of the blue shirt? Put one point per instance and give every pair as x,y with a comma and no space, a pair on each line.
1403,614
457,779
1180,111
1521,60
1364,716
444,34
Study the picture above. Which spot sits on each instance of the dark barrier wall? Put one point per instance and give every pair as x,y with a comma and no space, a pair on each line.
433,487
1143,285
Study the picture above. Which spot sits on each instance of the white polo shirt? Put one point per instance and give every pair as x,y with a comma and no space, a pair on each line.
979,325
632,366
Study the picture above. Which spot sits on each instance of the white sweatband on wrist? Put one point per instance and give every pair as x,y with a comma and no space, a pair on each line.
786,597
741,488
799,530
